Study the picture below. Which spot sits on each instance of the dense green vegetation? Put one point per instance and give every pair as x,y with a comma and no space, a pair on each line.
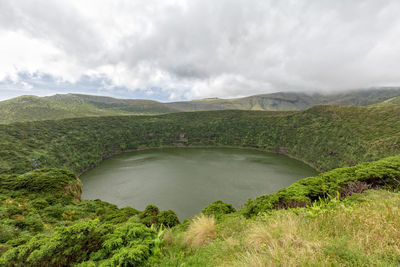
383,173
47,224
43,222
318,220
31,108
325,137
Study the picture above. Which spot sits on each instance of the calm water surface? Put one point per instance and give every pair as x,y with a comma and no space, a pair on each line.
187,180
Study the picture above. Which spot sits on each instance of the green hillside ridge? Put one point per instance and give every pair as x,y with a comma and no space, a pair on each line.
325,137
31,108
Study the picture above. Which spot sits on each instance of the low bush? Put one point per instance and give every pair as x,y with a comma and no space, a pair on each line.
7,232
149,215
55,211
89,243
31,223
168,218
382,173
218,208
40,203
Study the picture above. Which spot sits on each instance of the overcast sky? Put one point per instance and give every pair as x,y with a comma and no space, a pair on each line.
175,50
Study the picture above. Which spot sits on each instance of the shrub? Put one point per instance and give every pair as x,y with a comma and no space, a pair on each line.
120,215
31,223
67,246
129,245
7,232
168,218
149,215
382,173
43,180
55,211
14,209
39,203
218,208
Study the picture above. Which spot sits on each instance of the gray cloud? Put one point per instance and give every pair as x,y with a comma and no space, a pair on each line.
207,48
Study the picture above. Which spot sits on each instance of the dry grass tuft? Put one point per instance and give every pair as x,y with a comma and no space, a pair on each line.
168,236
278,241
201,231
253,259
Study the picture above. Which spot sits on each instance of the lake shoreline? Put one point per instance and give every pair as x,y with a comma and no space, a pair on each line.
187,180
110,155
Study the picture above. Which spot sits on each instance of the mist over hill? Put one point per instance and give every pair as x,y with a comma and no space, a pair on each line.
31,108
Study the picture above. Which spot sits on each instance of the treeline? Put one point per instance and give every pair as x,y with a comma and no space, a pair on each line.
324,137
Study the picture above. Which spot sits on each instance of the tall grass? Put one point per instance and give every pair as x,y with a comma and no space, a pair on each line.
201,231
363,231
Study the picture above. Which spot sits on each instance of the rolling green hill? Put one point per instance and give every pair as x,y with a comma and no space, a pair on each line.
289,101
31,108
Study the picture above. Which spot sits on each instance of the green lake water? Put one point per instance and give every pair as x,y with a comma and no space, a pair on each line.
187,180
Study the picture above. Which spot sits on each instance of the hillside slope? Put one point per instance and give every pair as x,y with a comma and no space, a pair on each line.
325,137
391,101
289,101
31,108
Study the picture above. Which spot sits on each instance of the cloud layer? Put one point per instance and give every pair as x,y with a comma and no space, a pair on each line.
181,49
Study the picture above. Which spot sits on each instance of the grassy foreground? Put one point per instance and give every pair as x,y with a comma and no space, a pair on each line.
364,230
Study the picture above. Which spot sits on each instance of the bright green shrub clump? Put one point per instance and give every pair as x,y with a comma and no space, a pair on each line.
91,242
55,181
55,211
149,215
218,208
167,218
40,203
152,216
382,173
47,225
7,232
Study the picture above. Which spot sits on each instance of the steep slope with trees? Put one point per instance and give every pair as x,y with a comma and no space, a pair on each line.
325,137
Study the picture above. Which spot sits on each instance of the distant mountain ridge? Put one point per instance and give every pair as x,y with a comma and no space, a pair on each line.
31,108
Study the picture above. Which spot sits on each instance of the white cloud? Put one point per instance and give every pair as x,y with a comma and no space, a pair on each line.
192,49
